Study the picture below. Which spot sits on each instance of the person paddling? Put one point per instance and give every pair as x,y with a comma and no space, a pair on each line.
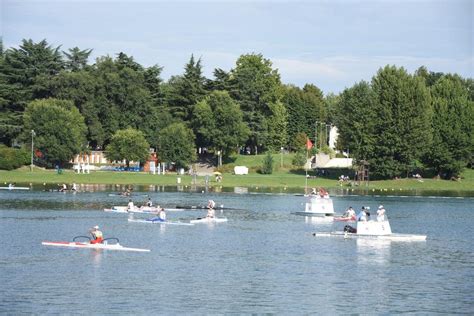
210,209
130,206
97,236
161,216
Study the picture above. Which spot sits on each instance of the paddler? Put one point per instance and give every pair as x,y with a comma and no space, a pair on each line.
362,216
381,214
210,209
161,216
130,206
97,236
350,213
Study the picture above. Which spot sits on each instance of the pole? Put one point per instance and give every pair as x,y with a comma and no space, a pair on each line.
32,135
281,155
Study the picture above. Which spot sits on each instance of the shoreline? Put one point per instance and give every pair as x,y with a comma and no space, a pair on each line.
254,183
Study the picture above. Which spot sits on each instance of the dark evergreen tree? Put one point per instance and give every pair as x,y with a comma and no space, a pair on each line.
183,92
24,76
76,59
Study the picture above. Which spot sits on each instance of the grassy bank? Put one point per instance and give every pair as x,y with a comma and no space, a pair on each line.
254,180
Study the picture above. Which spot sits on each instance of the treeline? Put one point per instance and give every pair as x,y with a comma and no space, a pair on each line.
398,123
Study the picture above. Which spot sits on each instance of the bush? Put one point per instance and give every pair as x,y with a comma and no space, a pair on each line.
12,158
267,167
299,159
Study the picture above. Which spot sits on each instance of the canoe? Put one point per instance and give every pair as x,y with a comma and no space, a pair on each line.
148,221
208,220
87,245
14,188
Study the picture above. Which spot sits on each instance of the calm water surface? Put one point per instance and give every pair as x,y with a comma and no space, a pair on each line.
263,260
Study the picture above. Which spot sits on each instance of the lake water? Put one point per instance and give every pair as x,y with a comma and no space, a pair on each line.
263,260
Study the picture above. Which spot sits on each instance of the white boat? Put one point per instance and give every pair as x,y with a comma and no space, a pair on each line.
208,220
88,245
14,188
318,206
143,209
149,221
373,230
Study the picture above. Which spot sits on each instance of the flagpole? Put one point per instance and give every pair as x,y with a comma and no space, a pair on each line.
306,173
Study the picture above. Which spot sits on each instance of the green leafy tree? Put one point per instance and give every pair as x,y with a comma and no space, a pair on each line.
129,145
299,141
402,126
59,128
12,158
267,163
176,144
204,123
277,127
230,131
452,125
218,122
255,85
305,108
299,159
80,87
355,118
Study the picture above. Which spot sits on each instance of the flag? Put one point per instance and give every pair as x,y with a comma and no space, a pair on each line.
309,144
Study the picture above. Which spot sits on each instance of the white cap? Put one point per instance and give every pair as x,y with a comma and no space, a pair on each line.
381,206
96,227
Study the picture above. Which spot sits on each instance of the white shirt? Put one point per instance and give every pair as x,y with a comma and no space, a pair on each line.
380,215
362,216
162,215
131,206
211,213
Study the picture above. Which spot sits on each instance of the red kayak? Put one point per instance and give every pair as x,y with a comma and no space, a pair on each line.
344,219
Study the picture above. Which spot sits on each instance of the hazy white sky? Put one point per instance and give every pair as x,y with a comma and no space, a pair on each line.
332,44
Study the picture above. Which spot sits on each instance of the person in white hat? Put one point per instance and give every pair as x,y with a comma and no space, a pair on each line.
97,236
381,214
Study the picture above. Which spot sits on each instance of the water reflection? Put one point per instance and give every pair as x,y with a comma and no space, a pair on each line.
370,250
316,220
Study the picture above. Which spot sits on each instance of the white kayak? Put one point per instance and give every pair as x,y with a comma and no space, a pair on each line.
14,188
380,230
149,221
88,245
393,237
143,209
208,220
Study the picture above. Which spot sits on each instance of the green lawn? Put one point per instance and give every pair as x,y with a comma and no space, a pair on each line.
279,179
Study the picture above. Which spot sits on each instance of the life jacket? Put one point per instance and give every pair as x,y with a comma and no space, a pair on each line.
98,237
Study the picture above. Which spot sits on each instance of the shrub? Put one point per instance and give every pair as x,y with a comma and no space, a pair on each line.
267,167
12,158
299,159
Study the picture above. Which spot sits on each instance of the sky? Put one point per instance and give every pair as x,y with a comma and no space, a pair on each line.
332,44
